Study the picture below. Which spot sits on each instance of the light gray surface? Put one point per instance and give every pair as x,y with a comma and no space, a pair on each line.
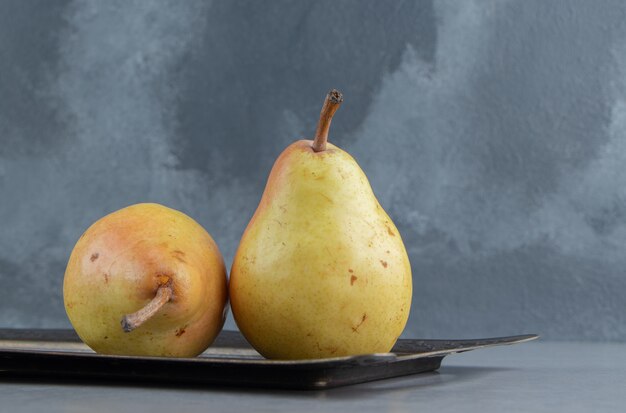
530,377
493,132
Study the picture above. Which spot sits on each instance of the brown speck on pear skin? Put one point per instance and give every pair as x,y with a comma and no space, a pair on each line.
94,256
355,329
390,232
179,255
383,263
352,279
180,331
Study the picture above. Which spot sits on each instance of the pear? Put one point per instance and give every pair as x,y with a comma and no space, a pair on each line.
321,270
146,280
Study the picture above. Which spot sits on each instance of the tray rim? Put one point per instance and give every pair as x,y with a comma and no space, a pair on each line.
363,358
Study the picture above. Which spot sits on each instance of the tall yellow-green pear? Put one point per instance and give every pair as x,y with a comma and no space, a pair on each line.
146,280
321,270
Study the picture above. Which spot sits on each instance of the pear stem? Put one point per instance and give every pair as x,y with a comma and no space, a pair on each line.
331,104
136,319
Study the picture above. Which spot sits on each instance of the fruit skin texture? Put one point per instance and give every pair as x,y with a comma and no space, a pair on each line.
118,264
321,270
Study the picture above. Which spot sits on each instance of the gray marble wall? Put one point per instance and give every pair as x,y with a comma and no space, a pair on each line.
493,132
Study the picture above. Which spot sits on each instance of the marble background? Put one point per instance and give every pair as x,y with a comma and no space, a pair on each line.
493,133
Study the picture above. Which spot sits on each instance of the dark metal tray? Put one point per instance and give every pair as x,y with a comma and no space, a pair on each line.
230,361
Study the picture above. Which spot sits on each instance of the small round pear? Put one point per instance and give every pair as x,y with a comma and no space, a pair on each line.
321,270
146,280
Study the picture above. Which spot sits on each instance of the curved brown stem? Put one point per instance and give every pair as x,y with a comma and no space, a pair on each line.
331,104
136,319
